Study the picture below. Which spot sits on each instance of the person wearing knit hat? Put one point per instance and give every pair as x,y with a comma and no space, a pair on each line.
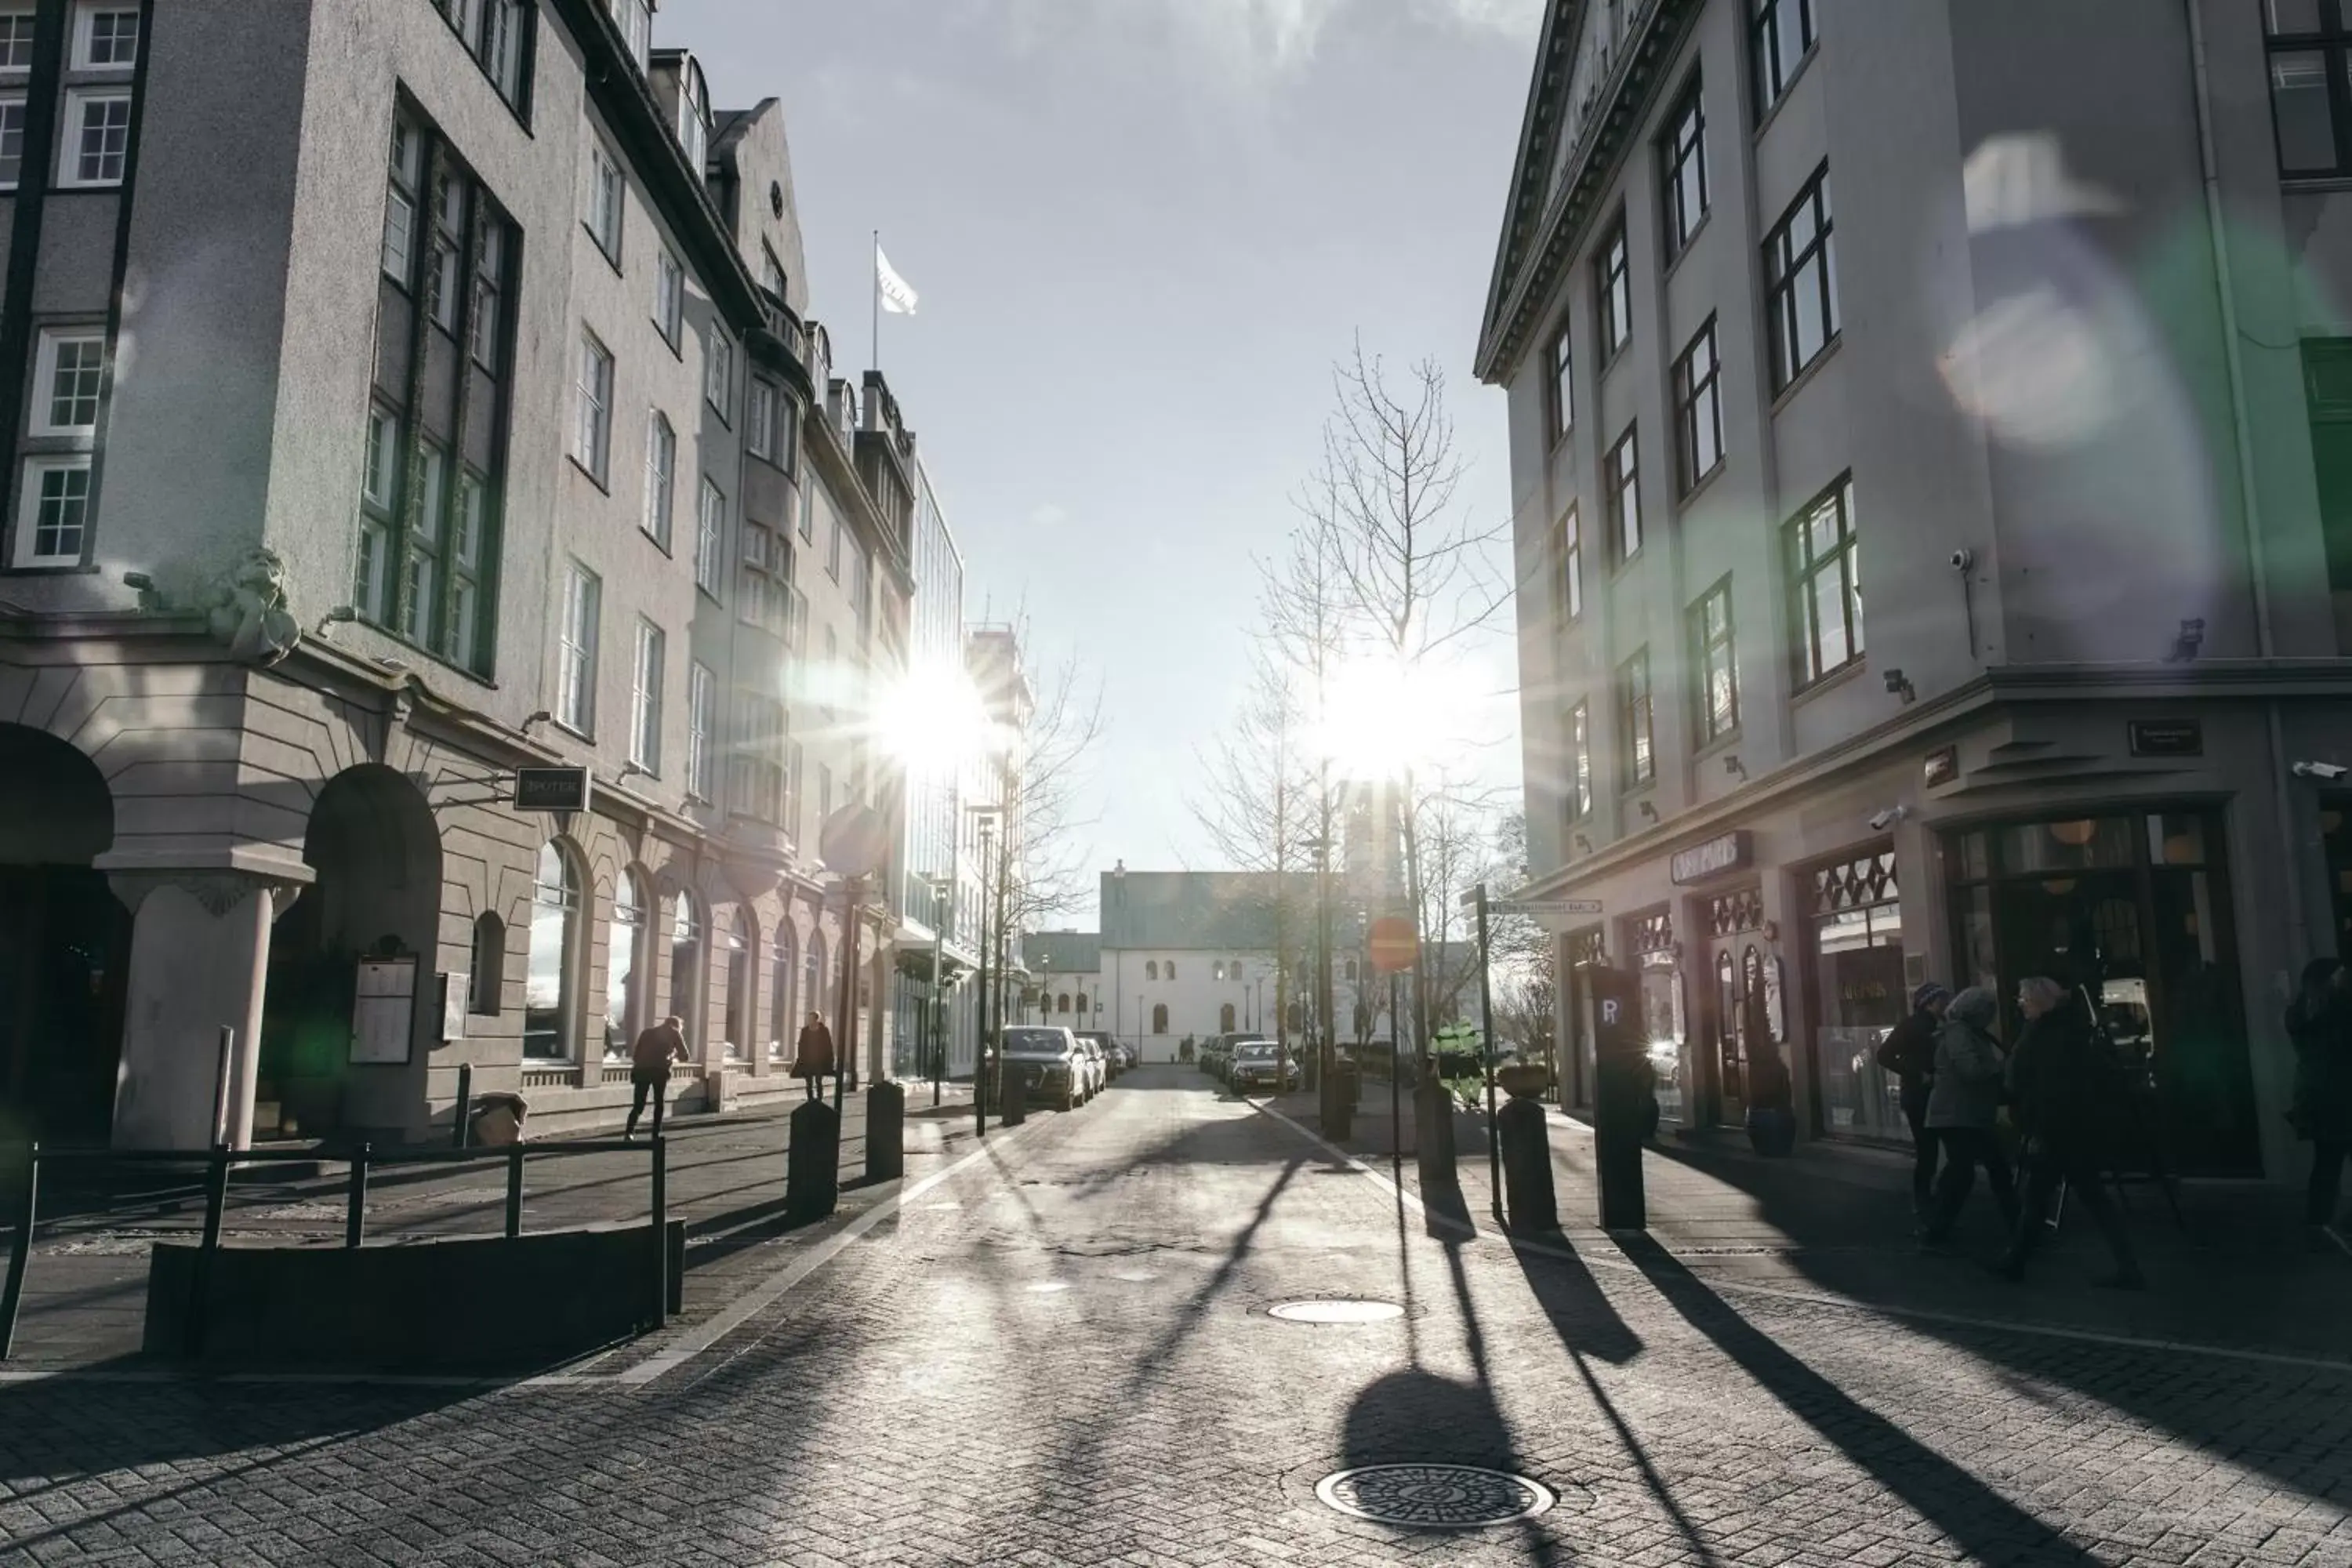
1908,1052
1963,1103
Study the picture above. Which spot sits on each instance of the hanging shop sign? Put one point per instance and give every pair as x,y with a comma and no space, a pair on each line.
1729,852
551,789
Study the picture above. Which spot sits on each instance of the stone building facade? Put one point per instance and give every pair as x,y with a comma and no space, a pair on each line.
402,394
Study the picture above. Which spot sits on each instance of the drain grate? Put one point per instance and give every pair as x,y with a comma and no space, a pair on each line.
1434,1497
1338,1311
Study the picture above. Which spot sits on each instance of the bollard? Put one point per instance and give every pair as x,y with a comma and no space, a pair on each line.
813,1162
461,1131
1623,1098
514,1191
12,1296
200,1275
1432,1124
1014,1093
661,1232
355,1208
886,1131
1527,1167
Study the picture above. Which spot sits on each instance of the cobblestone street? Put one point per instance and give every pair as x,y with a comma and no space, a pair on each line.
1058,1350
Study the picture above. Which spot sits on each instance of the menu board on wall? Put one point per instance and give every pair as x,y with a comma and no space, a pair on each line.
383,1010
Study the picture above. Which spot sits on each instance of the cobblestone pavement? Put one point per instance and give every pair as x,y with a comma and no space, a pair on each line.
1060,1353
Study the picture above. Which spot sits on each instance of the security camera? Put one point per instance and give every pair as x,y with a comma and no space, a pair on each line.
2326,773
1963,559
1880,821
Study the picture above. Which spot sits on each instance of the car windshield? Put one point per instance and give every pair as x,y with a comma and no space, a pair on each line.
1255,1051
1035,1043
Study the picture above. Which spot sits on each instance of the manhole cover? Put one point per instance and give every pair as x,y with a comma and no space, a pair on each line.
1336,1312
1434,1497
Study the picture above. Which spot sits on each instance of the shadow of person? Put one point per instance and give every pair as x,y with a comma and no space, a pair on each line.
1987,1526
1412,1415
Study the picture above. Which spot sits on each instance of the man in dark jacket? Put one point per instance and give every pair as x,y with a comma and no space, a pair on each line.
2319,1022
2067,1087
1909,1053
1962,1109
649,1063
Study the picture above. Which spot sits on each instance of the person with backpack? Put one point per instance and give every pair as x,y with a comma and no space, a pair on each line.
2066,1088
2319,1022
1963,1106
1908,1052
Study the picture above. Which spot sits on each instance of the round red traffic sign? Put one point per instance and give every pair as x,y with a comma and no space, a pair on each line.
1395,943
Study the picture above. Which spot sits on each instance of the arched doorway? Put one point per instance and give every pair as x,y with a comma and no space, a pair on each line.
64,944
373,842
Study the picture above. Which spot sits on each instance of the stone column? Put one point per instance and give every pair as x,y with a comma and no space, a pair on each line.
881,971
199,960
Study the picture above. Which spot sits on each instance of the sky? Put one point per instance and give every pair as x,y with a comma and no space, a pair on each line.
1142,231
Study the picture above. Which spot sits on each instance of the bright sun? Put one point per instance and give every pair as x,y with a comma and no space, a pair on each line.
1381,715
933,719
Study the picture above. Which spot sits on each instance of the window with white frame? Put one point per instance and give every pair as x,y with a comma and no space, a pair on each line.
489,290
710,537
693,120
69,366
15,41
637,31
575,666
761,598
719,373
97,142
106,37
605,190
661,475
701,729
460,639
795,768
379,502
756,767
448,247
497,34
591,434
832,549
759,419
400,203
861,594
53,511
420,563
12,140
669,296
645,699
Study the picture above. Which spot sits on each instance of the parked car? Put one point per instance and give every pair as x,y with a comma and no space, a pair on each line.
1097,1067
1218,1053
1114,1055
1260,1064
1046,1061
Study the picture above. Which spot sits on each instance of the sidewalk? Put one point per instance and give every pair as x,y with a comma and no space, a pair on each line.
1834,1221
86,1286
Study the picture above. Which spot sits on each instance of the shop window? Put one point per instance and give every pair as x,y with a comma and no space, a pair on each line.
624,967
548,995
813,977
685,968
782,1029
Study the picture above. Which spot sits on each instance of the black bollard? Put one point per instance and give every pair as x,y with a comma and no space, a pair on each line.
812,1166
886,1131
1623,1100
1433,1116
1012,1098
1339,1104
1527,1167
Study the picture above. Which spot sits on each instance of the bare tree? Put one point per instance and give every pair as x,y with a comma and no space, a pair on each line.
1525,956
1055,741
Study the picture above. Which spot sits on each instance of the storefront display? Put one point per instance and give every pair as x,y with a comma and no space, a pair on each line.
1855,954
1663,1017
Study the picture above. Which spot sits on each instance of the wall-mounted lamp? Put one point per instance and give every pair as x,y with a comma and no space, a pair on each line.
1899,684
1880,821
1583,844
1734,766
2185,644
1649,813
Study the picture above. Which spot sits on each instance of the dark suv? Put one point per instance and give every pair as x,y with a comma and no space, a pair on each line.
1045,1060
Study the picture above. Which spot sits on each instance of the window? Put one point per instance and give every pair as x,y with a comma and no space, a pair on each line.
763,598
808,514
66,379
738,943
1621,474
1172,969
420,562
661,476
605,201
1559,400
490,291
701,729
53,513
861,594
1570,581
812,974
449,256
824,795
794,772
106,37
1683,157
645,699
693,120
1614,283
1579,764
1825,580
796,618
1801,283
780,992
1698,410
832,549
97,138
669,296
15,42
486,988
1159,1017
1225,1017
1783,39
575,675
497,34
11,141
400,203
1716,662
623,967
462,642
756,775
592,435
547,1005
771,274
719,373
759,419
1152,969
637,31
710,537
379,494
685,967
1637,762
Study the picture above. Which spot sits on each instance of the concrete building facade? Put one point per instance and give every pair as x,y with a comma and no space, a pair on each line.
1794,297
402,394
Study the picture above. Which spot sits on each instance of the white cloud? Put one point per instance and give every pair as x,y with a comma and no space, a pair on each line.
1260,38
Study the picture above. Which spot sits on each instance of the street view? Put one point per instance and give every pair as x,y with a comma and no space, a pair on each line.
1176,781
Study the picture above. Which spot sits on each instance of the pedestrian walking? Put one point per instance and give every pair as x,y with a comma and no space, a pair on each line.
812,1058
649,1063
1963,1106
2066,1088
1909,1053
2319,1022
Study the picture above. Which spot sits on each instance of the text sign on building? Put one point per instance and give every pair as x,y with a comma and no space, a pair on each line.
2166,738
551,789
1729,852
383,1004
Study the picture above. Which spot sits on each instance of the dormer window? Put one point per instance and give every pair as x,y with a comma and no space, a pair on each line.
693,116
637,18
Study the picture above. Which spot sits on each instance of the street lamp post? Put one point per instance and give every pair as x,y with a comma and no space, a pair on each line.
979,999
935,1045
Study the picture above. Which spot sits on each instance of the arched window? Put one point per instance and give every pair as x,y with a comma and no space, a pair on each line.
685,967
1062,1002
1152,969
1172,969
781,1028
812,978
1217,970
1226,1019
1351,971
486,989
548,1006
624,966
1159,1017
739,945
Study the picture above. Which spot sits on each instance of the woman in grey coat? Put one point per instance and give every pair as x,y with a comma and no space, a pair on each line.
1963,1108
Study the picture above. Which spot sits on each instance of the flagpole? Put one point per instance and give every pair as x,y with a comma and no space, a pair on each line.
876,360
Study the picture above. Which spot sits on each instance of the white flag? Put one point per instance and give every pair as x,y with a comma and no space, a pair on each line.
897,296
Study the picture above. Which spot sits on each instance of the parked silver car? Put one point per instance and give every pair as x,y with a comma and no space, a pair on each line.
1046,1061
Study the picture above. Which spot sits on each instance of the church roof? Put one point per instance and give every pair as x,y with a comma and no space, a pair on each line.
1208,911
